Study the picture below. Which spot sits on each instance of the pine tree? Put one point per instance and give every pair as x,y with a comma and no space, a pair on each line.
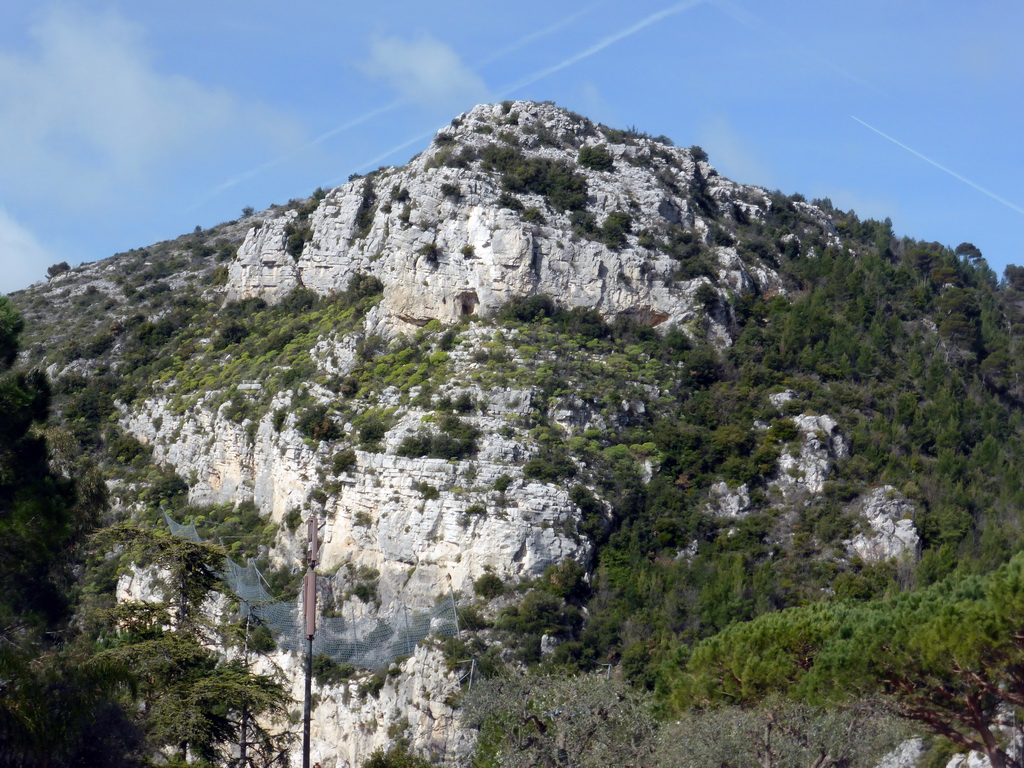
193,701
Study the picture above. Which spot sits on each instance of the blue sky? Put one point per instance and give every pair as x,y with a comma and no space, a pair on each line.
125,123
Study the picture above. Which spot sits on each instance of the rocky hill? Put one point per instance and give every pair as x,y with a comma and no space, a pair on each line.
610,400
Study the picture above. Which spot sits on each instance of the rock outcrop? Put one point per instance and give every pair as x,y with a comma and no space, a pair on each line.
454,235
413,703
446,242
891,533
405,518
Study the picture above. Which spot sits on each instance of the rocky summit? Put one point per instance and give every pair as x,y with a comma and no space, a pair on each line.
522,199
566,379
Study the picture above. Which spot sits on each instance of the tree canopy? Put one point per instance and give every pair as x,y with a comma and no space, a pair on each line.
949,657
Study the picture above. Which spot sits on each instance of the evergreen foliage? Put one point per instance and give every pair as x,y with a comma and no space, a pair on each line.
192,700
912,347
51,694
948,657
596,157
562,188
779,733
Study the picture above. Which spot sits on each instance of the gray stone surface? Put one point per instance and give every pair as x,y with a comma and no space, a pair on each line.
419,247
891,533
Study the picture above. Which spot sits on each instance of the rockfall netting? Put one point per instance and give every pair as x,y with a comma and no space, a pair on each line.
367,642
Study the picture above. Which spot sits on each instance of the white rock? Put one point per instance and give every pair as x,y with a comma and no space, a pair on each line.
892,532
548,644
906,755
778,399
970,760
821,445
729,502
443,257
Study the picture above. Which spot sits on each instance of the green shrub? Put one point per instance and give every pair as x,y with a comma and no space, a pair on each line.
615,228
397,756
371,687
367,206
489,586
431,252
561,187
297,234
343,461
464,403
550,466
57,269
372,428
455,440
327,671
565,580
429,491
316,424
782,431
279,418
596,157
261,640
510,201
533,215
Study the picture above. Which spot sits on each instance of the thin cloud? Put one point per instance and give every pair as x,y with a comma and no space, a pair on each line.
376,161
730,154
253,172
943,168
548,71
540,34
392,106
85,115
23,256
425,71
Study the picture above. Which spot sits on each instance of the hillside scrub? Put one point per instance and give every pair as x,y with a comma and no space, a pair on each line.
912,348
947,658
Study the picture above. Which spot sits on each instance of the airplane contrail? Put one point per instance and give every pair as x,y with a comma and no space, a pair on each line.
941,167
526,40
546,72
245,176
602,44
407,143
367,116
742,16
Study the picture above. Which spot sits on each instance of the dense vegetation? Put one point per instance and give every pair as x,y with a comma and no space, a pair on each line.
722,625
53,692
947,657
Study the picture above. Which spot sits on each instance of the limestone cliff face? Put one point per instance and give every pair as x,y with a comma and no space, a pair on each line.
384,517
447,239
423,527
349,722
889,532
433,233
413,703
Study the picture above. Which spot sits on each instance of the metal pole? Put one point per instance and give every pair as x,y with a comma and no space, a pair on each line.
243,742
408,649
306,704
309,615
451,591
